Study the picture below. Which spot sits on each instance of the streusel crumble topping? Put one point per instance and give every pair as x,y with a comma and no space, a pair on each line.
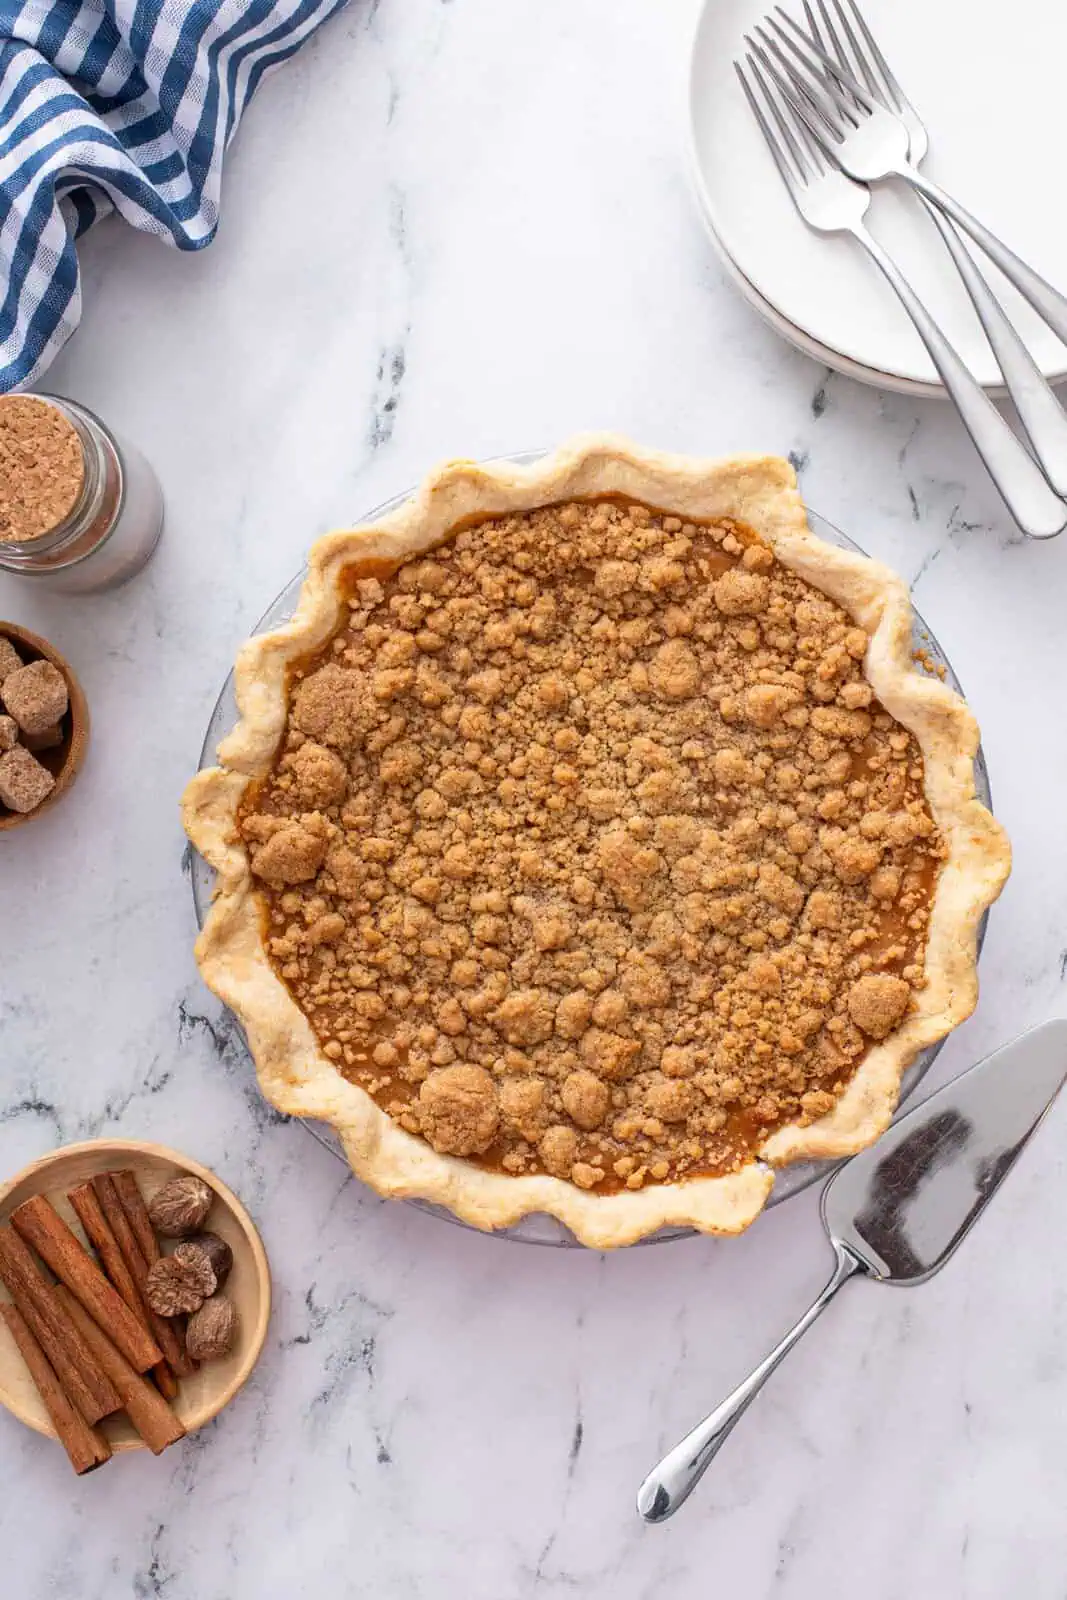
588,849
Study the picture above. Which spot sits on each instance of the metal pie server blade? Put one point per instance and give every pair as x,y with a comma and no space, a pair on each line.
898,1211
903,1206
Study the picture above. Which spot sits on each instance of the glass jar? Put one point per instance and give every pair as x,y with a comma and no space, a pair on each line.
113,527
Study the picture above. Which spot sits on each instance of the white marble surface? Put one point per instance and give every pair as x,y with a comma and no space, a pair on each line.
465,229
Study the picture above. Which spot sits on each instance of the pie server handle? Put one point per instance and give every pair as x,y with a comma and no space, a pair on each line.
673,1481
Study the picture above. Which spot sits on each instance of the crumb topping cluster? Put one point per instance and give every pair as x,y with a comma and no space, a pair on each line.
588,850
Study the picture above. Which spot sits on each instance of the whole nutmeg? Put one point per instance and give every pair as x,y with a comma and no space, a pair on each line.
180,1282
180,1207
218,1253
212,1331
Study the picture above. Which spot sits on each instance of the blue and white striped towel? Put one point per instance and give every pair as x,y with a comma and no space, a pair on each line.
124,104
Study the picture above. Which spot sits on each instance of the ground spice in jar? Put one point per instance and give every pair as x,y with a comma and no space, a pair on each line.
42,468
79,507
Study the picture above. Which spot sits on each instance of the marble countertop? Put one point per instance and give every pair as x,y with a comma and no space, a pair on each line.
466,229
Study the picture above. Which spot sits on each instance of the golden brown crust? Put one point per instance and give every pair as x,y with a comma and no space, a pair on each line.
300,1080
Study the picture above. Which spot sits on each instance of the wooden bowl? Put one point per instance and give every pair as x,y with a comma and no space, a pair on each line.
215,1383
64,761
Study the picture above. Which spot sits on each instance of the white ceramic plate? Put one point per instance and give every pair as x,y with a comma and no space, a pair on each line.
987,82
811,347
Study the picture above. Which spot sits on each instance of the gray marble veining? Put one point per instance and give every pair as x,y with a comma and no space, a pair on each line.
465,229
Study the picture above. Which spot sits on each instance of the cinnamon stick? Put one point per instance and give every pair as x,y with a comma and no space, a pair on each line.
42,1227
75,1366
128,1193
166,1333
164,1379
143,1404
103,1238
86,1448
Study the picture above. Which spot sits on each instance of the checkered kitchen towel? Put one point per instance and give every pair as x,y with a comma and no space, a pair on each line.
124,104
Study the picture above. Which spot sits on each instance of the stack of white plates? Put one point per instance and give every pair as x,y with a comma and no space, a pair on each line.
987,80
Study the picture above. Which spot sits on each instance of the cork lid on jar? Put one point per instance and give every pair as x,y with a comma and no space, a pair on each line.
42,468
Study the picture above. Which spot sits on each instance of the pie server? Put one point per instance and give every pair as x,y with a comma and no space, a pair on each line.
898,1211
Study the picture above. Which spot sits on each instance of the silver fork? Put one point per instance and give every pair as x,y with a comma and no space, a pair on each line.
1039,411
871,143
830,202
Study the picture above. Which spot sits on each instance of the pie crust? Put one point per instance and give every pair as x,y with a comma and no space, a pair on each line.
300,1080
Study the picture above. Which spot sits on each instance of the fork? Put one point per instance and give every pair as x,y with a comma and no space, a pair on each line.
830,202
871,142
1038,409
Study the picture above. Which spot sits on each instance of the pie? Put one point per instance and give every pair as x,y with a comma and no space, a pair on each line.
591,843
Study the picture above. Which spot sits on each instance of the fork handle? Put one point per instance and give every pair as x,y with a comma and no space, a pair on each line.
1038,511
1040,413
1049,303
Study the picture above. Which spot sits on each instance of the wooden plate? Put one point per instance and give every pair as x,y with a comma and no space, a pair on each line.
64,762
202,1396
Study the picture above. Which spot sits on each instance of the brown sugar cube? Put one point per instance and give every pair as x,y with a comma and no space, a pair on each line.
36,696
24,783
9,733
37,741
10,660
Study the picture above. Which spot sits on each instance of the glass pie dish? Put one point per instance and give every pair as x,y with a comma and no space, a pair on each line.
538,1228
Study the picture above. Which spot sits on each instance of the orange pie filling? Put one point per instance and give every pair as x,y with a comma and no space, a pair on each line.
589,851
